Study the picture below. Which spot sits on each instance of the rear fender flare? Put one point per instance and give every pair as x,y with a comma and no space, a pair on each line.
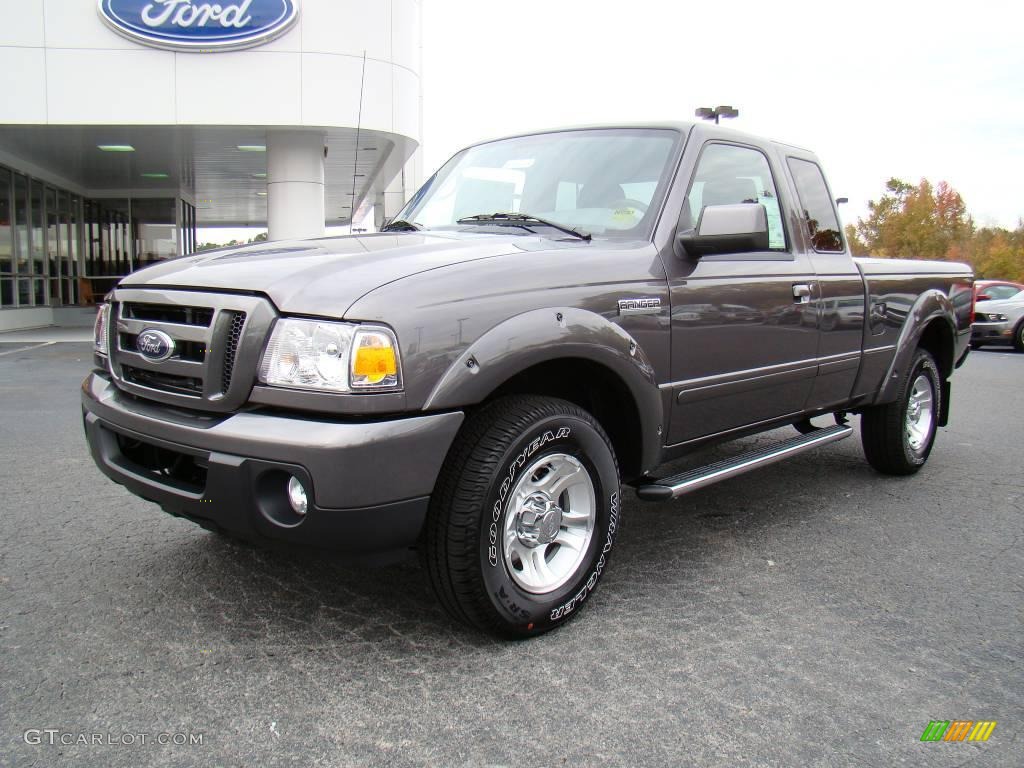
544,335
930,305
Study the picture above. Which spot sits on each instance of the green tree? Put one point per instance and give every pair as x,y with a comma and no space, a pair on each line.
997,253
260,238
920,221
928,222
857,246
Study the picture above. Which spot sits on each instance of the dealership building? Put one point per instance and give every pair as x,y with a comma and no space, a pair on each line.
125,124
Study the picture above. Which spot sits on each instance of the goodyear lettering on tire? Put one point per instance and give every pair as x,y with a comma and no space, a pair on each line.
507,482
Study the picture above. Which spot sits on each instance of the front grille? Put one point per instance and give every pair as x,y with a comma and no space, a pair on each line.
189,386
231,343
216,340
167,313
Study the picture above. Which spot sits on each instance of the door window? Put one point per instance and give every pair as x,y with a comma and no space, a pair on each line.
728,174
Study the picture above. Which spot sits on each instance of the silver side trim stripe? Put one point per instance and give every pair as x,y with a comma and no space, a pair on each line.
753,373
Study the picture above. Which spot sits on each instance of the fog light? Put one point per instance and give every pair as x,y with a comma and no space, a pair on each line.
297,496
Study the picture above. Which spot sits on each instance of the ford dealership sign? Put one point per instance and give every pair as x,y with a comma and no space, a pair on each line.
196,25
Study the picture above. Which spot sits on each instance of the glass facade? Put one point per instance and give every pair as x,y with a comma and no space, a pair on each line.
58,249
6,240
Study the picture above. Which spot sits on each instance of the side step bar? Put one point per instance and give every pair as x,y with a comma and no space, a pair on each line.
678,485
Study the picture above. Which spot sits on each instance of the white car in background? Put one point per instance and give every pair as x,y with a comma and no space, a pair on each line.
999,322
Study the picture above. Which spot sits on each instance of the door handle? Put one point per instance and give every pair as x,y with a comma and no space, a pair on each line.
802,293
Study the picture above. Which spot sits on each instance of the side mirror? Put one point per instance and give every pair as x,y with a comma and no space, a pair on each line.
741,228
983,297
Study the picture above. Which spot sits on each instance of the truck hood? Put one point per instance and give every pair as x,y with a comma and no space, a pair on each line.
325,276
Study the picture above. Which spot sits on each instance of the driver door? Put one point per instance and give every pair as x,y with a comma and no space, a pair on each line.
744,326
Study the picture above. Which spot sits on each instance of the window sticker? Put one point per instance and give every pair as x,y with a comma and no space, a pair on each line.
776,234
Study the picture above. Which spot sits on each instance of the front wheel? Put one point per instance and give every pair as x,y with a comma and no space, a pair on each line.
898,436
1018,337
523,516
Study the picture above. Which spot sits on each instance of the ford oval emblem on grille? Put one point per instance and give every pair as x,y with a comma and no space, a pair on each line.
153,345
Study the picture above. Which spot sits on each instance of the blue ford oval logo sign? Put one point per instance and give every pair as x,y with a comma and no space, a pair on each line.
154,345
197,25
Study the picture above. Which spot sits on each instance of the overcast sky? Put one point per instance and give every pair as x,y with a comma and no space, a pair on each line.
904,89
877,89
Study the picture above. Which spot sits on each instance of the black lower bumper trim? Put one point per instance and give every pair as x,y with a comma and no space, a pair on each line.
243,496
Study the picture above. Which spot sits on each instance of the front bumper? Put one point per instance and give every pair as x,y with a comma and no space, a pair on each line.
368,482
991,333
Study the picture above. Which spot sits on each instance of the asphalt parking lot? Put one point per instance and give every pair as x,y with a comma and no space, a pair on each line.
811,613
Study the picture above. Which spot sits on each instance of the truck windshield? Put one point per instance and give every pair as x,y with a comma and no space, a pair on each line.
605,182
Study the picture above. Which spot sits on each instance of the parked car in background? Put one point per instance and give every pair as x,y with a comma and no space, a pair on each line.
996,290
1000,322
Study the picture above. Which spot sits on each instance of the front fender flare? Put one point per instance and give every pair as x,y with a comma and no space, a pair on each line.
556,333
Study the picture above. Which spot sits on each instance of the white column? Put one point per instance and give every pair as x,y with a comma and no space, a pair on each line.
295,185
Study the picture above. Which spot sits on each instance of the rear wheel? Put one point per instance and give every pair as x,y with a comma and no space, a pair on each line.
523,516
898,436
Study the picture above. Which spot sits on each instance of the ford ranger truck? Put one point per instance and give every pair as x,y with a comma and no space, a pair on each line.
550,317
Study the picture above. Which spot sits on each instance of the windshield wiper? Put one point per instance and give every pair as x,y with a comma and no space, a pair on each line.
401,225
521,220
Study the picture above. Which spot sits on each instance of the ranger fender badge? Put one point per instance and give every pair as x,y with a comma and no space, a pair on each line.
641,306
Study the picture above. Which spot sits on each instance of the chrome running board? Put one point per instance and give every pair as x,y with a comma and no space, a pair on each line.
678,485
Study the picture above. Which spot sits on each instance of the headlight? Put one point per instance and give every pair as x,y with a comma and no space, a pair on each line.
999,318
327,356
100,330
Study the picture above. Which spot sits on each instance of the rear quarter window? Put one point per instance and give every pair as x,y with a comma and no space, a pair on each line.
818,210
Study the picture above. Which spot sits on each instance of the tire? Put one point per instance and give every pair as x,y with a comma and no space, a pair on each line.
492,518
895,442
1018,337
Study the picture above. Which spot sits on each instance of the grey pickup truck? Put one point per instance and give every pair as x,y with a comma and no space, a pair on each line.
552,315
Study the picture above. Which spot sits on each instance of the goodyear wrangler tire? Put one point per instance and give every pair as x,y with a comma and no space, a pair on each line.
898,436
523,516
